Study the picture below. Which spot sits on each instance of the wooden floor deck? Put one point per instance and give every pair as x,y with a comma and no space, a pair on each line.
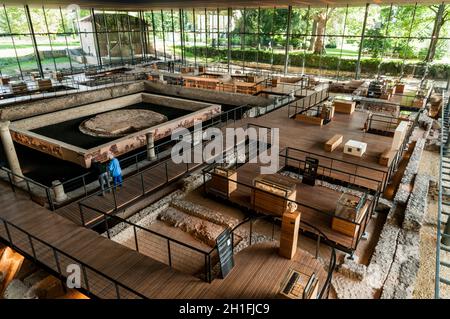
134,187
257,274
320,203
311,138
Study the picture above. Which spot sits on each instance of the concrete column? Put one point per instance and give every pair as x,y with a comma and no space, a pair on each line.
151,155
10,151
58,190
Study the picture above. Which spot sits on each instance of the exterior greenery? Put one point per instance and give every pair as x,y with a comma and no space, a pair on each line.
394,39
328,62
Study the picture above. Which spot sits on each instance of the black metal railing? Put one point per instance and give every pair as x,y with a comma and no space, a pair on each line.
42,194
168,171
233,116
249,203
348,172
321,237
176,254
68,86
307,102
94,283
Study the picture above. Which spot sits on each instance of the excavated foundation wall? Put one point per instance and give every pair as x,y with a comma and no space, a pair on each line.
206,95
24,110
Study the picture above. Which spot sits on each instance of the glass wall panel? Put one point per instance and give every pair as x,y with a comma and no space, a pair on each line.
398,39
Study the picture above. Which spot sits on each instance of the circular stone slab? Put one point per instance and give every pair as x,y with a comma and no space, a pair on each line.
121,122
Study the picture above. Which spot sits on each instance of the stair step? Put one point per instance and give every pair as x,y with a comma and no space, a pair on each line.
445,264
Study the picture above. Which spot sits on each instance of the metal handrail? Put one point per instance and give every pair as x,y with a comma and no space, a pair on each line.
444,116
28,181
334,159
364,219
235,111
332,263
123,220
206,255
335,170
228,114
55,250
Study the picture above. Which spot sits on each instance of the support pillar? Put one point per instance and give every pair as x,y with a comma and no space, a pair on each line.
151,155
10,151
58,190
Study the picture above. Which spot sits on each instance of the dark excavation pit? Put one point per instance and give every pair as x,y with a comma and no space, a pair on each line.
69,132
44,168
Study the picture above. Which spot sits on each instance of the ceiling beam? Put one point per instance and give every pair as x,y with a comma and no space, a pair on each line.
168,4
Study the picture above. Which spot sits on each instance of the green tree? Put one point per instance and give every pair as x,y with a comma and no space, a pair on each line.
374,43
17,21
443,12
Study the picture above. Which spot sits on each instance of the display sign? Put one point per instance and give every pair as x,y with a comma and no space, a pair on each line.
310,171
225,250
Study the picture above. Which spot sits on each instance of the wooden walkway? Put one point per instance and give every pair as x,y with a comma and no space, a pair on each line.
258,272
134,188
311,138
320,203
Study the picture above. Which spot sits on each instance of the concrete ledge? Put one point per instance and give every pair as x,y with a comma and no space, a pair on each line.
23,110
206,95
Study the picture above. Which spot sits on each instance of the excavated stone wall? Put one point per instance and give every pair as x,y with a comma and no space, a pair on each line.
23,110
394,266
410,172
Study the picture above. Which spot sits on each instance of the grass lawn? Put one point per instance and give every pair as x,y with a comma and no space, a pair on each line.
26,46
345,52
13,68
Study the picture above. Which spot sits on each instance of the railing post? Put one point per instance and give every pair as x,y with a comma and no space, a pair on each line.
58,267
11,182
81,214
142,183
209,269
50,199
206,268
7,232
167,173
32,247
107,227
28,188
318,246
83,269
135,238
84,185
114,197
168,251
117,290
251,232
